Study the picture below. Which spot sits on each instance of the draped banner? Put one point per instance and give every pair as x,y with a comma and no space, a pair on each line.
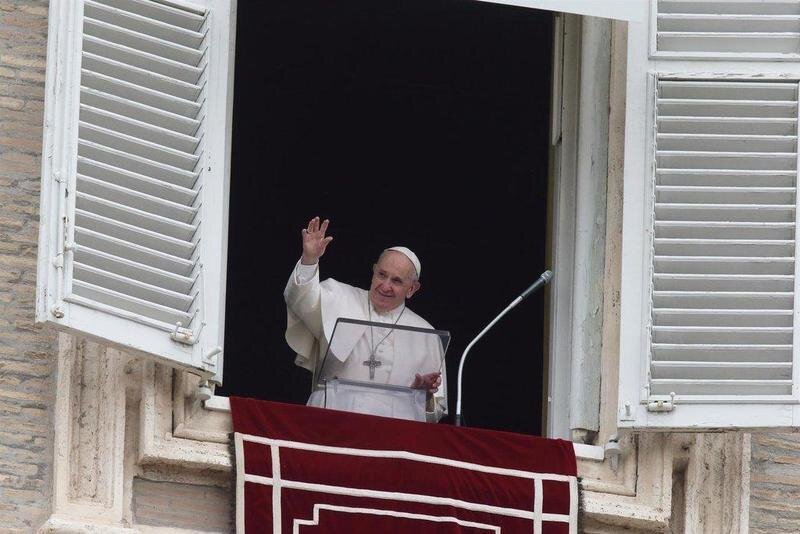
304,470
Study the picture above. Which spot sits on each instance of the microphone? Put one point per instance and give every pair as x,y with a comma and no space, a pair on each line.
542,280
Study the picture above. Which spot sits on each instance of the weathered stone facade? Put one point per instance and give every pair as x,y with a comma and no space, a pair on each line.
116,444
27,353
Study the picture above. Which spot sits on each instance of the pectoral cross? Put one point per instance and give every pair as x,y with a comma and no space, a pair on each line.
372,363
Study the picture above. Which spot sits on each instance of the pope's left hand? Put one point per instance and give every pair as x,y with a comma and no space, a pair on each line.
429,382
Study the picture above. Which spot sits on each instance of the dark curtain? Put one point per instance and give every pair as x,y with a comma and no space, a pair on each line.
422,123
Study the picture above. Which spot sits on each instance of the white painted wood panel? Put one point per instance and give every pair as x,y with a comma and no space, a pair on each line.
135,226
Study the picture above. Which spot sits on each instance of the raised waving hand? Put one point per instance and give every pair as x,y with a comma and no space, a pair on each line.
314,241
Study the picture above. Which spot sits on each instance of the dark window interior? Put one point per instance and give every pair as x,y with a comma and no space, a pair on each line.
421,123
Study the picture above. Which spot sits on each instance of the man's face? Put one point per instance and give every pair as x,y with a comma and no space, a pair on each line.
392,281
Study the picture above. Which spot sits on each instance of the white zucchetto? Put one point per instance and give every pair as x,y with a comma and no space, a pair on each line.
410,255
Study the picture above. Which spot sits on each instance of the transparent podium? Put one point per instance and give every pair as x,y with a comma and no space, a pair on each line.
369,367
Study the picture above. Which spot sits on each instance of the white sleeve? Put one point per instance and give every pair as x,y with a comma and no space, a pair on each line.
303,274
303,304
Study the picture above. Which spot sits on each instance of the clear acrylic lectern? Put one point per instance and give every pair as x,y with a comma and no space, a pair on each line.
369,367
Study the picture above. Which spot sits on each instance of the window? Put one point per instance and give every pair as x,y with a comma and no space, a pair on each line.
135,188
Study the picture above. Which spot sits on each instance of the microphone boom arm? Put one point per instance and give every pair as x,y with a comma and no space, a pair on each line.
542,280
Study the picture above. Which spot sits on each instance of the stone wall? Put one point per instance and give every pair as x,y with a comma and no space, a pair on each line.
26,352
775,483
187,506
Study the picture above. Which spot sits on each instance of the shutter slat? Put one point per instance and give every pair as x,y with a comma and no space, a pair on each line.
757,7
140,77
725,212
727,142
727,125
129,303
133,269
742,24
136,182
122,248
134,288
722,352
722,370
722,300
138,58
723,247
133,146
701,107
715,317
184,17
136,217
729,42
725,90
722,334
106,119
141,42
135,199
732,195
141,112
722,282
724,230
143,95
137,164
725,177
723,265
727,160
133,234
720,387
142,24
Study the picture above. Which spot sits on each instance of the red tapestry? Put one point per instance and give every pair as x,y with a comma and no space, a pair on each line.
303,470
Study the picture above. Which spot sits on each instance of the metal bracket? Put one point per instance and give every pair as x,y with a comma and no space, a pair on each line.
661,406
182,335
626,413
612,451
211,358
57,311
205,390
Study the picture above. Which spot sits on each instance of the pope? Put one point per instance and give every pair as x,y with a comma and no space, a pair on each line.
382,355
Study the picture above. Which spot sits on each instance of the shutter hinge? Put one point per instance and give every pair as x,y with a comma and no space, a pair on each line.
661,406
612,451
211,358
183,335
187,336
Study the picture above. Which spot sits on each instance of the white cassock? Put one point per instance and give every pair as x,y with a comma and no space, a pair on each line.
312,308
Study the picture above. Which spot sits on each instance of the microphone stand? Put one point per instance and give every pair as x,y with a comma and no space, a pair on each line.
542,280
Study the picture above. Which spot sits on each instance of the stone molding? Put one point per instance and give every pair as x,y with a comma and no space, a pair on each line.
89,420
159,443
683,483
118,417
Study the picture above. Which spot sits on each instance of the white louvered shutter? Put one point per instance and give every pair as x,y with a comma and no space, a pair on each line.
728,28
134,180
709,308
724,240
